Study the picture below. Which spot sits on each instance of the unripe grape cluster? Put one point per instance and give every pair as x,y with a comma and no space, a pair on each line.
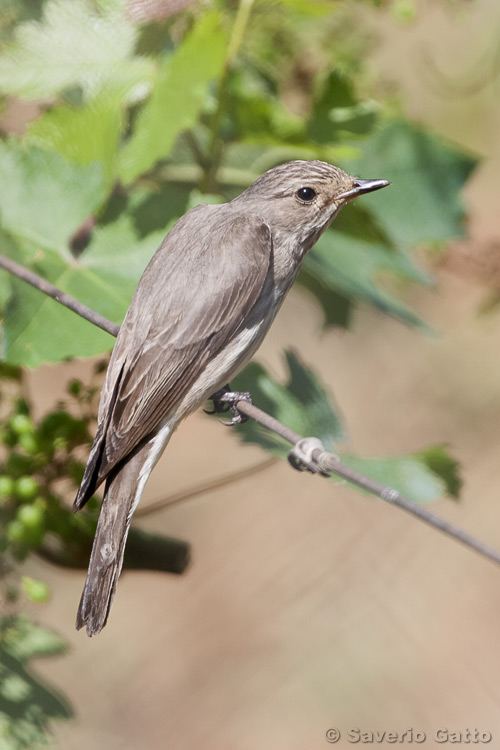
40,468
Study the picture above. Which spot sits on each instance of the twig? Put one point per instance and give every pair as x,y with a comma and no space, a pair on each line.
216,144
326,462
330,464
64,299
214,484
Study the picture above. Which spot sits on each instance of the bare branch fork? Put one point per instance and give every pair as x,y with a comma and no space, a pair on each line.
306,454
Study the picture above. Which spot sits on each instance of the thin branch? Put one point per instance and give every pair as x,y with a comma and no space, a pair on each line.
195,147
329,463
322,460
64,299
201,489
215,148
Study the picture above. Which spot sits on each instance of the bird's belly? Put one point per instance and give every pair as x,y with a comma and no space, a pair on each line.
239,350
224,366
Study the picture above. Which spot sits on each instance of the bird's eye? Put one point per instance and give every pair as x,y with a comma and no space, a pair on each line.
306,194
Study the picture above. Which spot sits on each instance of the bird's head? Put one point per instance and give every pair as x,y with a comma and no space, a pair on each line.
303,197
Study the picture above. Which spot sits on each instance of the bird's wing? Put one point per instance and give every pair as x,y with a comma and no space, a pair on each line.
195,294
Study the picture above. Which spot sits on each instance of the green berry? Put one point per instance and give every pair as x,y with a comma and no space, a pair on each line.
31,516
21,424
60,444
26,488
6,486
8,437
29,443
37,591
16,531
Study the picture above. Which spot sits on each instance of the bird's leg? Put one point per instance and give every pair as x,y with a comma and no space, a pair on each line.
226,400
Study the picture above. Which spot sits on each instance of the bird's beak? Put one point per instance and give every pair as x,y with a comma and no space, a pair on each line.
360,187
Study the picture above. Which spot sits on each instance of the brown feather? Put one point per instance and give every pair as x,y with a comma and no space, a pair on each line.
109,545
173,328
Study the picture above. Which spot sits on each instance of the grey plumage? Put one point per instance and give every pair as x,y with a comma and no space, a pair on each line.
200,311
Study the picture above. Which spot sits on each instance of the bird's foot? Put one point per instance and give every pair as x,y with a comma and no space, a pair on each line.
226,400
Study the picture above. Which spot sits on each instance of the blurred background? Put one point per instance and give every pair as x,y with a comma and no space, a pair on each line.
306,605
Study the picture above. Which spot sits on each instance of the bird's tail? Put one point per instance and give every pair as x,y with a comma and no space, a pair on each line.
123,491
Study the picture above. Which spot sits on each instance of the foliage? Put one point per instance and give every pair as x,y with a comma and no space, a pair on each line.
306,407
140,118
114,112
42,467
27,705
41,464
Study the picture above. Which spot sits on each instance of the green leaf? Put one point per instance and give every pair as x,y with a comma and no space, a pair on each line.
104,278
337,111
356,221
14,12
48,197
74,46
36,329
47,200
350,267
84,135
256,114
423,476
9,249
27,706
153,211
302,404
439,461
423,204
178,96
311,7
337,308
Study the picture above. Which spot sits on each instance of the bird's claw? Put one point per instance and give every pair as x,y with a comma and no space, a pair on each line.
226,400
230,402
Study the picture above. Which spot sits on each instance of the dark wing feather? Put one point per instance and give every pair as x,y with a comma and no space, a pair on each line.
195,294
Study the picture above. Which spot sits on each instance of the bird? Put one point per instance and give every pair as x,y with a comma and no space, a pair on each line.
201,309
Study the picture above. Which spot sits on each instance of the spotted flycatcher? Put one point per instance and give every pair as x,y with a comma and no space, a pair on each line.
201,309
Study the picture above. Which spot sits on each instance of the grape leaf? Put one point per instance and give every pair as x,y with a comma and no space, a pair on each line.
85,134
336,111
178,95
349,266
36,329
255,114
48,198
422,476
71,46
439,461
423,204
27,706
304,405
